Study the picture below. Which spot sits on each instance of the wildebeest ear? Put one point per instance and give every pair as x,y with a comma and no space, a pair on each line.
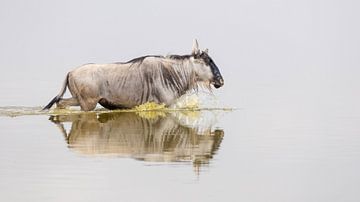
206,51
195,48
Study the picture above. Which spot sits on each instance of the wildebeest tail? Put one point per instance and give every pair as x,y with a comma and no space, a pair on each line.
59,96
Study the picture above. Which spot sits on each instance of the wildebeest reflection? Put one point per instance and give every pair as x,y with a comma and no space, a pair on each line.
159,139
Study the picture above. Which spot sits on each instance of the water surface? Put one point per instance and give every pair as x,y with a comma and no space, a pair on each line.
182,155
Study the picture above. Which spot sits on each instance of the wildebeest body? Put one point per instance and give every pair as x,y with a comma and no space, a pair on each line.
146,79
130,84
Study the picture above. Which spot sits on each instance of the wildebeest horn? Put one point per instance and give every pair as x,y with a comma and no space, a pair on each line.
195,48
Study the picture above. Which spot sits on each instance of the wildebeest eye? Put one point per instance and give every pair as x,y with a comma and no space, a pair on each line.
207,60
197,56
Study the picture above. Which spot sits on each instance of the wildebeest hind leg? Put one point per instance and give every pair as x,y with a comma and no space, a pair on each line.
88,104
63,103
108,105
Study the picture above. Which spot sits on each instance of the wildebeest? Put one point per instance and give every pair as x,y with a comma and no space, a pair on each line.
150,78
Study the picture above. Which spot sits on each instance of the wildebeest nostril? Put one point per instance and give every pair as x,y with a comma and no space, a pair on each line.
218,82
221,81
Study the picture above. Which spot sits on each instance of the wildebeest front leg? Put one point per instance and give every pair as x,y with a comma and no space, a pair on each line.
63,103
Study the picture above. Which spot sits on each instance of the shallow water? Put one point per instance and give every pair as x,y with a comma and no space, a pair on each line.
50,156
178,155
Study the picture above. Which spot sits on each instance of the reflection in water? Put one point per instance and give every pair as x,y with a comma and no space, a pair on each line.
146,136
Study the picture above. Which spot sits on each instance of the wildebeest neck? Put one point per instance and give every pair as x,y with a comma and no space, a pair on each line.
178,77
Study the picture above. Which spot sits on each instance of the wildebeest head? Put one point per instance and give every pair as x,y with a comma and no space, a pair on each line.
205,68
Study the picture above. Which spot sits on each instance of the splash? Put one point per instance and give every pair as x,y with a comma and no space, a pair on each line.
197,100
13,111
188,101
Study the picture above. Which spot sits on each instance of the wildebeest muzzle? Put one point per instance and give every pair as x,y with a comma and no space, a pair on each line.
218,80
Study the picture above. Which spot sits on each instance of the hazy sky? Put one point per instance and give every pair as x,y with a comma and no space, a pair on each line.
299,45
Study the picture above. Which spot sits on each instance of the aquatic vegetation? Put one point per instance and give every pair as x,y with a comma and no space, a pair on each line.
149,106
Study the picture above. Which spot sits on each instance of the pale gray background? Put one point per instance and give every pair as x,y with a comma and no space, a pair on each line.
291,67
298,45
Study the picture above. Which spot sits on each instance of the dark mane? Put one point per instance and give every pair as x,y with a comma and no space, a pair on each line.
179,57
141,59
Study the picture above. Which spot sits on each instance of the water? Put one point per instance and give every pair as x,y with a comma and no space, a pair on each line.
73,155
179,155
